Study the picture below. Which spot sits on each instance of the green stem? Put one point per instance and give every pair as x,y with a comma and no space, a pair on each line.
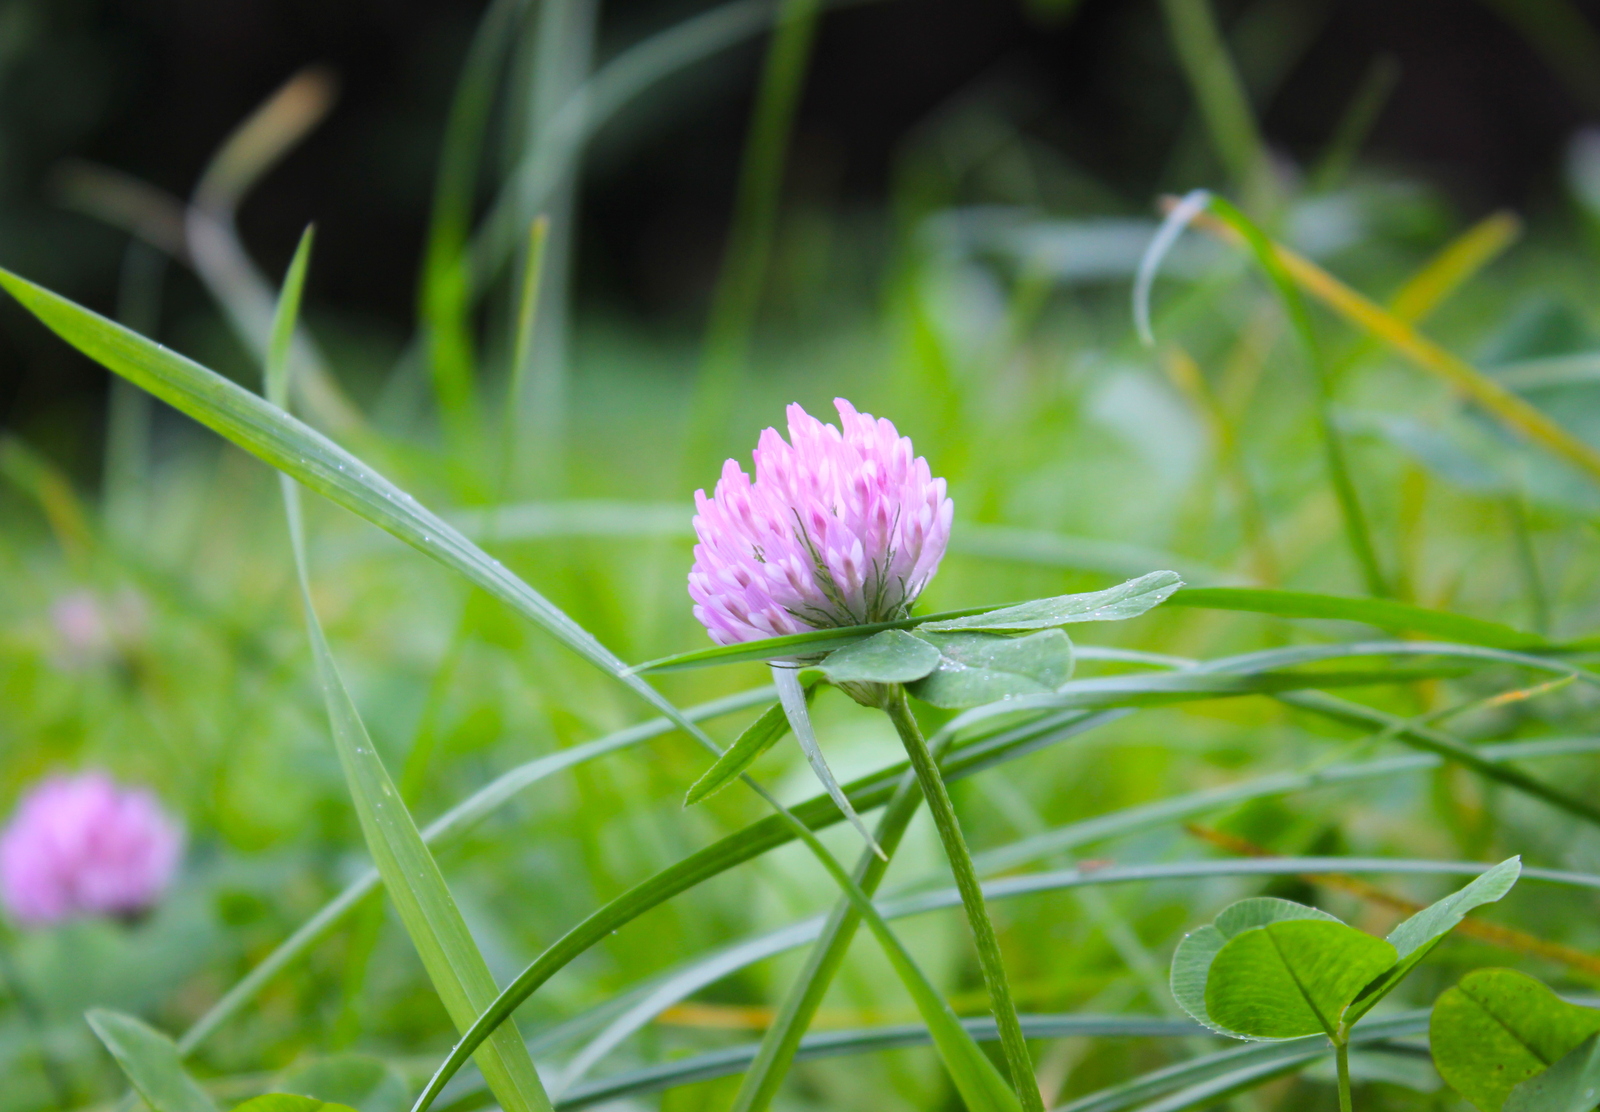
943,811
782,1038
1341,1054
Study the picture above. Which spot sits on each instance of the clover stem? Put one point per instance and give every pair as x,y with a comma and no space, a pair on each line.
1341,1054
1012,1042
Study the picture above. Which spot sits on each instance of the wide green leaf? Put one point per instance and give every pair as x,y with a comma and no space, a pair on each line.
1571,1085
1418,935
1126,600
290,1102
893,656
975,668
1396,617
1293,977
1497,1028
150,1060
1191,962
274,436
757,738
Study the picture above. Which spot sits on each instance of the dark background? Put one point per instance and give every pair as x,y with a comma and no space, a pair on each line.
151,86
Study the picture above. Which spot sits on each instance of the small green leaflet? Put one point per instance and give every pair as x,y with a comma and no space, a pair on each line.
758,737
151,1061
1498,1028
1271,969
1418,935
1191,963
893,656
977,668
1291,978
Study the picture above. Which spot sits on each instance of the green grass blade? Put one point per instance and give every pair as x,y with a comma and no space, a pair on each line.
923,902
522,351
1357,532
867,792
794,645
1125,600
150,1061
1217,87
451,824
445,298
756,739
316,462
283,323
640,1006
1386,614
454,964
721,1063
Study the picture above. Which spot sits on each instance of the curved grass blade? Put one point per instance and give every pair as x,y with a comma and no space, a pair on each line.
1387,614
792,697
455,965
316,462
721,1063
639,1006
923,902
757,738
1249,1064
451,824
1178,218
766,834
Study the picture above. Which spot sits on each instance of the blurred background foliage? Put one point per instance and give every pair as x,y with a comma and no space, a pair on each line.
969,188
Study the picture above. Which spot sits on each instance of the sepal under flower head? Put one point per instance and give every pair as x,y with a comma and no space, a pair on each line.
84,847
841,526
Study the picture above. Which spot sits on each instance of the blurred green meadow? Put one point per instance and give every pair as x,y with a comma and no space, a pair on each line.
151,625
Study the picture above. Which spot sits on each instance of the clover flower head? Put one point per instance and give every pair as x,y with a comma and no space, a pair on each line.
84,847
841,526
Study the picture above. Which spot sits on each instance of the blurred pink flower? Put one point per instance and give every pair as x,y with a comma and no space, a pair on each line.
91,629
837,529
81,846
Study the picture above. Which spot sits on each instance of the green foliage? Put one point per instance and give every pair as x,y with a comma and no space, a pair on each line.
1074,461
1498,1028
1272,969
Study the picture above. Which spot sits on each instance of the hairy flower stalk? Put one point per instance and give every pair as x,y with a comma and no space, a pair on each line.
85,847
842,526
